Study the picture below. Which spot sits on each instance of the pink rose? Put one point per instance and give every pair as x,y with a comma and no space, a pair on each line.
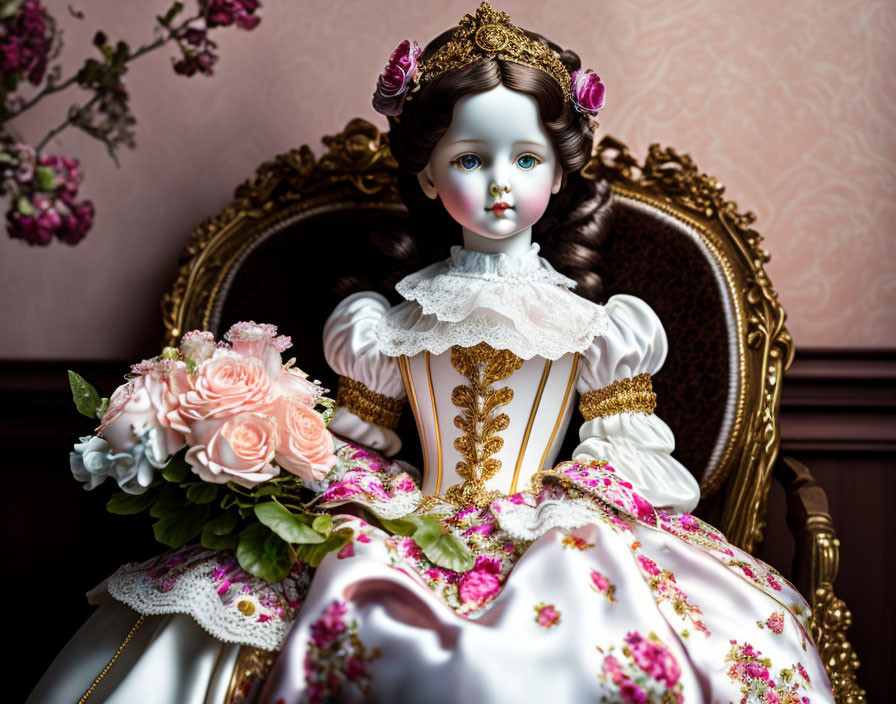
478,586
587,91
547,615
225,385
305,445
654,659
388,99
600,582
148,401
240,450
259,340
648,565
294,383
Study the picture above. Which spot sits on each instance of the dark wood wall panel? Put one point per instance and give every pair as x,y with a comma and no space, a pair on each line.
838,413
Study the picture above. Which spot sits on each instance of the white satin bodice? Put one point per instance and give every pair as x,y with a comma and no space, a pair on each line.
539,414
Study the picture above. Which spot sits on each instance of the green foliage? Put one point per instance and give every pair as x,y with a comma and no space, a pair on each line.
128,504
263,553
313,553
176,471
286,524
202,492
439,545
176,527
84,395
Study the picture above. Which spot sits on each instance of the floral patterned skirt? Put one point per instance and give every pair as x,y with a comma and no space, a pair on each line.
581,591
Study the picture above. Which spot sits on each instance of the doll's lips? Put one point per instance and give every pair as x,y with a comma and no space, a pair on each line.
500,208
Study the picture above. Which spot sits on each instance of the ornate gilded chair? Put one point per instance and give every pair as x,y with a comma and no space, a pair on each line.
673,240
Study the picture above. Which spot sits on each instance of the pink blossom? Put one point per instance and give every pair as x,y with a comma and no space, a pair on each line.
347,551
631,692
600,582
478,586
354,668
644,509
648,565
363,538
393,83
688,522
587,91
773,583
756,670
802,671
654,659
404,483
547,615
327,628
775,622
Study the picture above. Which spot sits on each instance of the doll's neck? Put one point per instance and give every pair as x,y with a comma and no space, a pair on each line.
516,245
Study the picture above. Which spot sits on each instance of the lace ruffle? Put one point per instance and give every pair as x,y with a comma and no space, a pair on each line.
209,586
518,304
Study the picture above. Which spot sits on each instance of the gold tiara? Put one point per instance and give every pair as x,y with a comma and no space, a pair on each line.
490,35
487,35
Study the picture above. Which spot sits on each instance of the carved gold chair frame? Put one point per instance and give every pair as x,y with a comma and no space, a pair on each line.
358,169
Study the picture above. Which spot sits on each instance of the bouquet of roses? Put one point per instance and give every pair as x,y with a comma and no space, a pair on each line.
219,440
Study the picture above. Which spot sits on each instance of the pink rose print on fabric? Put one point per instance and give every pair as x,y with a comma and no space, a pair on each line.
546,615
643,671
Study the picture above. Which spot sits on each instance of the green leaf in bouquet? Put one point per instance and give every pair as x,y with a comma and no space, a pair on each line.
223,523
128,504
176,471
312,554
268,489
218,542
285,523
84,395
202,492
323,524
169,501
218,534
176,528
264,554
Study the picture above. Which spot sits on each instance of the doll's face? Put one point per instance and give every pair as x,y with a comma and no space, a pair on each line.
495,168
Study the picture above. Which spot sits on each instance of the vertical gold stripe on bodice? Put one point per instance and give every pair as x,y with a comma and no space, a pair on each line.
435,415
532,414
562,413
404,367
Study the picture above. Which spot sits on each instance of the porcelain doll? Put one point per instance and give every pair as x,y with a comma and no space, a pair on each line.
590,580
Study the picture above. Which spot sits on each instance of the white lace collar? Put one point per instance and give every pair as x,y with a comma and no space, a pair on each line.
519,304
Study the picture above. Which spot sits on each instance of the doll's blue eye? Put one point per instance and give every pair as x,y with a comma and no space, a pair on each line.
467,162
527,162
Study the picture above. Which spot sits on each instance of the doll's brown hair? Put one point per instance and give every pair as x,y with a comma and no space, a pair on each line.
571,230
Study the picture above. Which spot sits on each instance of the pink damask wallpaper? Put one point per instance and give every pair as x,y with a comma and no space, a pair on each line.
791,105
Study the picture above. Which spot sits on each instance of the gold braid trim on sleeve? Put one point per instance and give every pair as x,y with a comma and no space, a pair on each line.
369,405
632,395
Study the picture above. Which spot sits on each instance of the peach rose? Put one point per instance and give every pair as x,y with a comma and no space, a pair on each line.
294,384
305,445
259,340
148,401
225,385
240,450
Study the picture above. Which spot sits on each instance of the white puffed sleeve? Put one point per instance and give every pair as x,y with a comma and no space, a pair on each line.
350,350
637,445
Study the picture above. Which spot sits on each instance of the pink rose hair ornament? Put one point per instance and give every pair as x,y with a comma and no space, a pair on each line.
396,79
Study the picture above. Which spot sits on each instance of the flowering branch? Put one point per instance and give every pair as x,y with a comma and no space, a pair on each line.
42,189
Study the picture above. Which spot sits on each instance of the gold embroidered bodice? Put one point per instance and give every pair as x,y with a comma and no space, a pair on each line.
487,419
